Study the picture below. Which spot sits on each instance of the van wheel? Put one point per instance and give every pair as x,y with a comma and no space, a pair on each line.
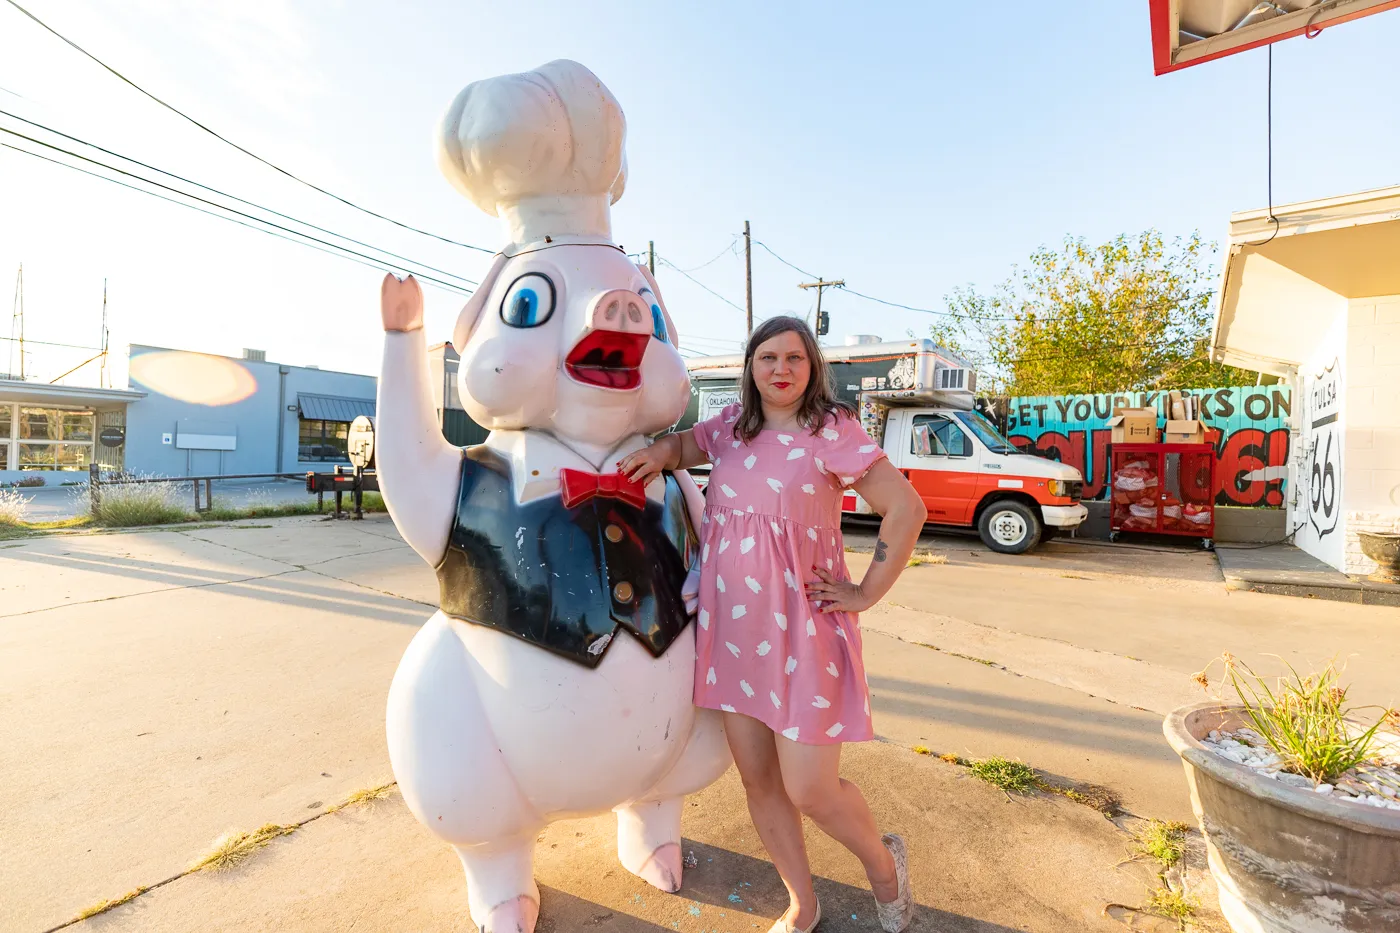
1008,527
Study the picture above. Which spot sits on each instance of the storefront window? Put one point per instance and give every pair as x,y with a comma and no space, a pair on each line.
40,424
46,439
323,441
36,456
77,426
73,456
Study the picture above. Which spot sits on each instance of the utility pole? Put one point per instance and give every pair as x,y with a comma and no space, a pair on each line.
748,279
17,317
102,375
651,257
819,284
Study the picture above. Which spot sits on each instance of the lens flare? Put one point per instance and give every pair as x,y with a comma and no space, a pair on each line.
193,377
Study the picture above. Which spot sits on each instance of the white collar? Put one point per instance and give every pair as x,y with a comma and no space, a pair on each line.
536,457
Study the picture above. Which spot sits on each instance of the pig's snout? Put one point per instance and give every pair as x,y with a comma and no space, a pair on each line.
621,310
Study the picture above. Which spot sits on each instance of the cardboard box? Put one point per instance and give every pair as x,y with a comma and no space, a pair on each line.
1184,432
1134,426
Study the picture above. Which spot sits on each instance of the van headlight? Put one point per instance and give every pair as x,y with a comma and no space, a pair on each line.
1059,487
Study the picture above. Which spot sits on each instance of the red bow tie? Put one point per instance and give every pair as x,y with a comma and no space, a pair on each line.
577,487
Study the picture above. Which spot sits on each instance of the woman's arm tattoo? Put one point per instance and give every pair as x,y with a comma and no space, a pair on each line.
880,547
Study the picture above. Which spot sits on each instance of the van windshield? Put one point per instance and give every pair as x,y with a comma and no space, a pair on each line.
986,432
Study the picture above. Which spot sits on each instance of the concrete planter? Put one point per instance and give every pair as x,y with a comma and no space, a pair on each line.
1383,548
1286,860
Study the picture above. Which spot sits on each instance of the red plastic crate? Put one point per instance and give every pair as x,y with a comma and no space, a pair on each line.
1164,489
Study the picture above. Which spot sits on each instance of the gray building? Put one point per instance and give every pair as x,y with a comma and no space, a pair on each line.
199,414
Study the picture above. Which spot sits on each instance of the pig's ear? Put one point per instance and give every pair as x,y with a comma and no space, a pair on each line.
656,290
471,312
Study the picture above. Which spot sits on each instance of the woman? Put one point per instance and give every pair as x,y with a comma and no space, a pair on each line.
778,648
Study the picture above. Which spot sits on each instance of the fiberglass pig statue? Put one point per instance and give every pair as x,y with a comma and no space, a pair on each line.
556,679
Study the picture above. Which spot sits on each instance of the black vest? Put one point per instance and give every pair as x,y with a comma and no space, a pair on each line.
565,579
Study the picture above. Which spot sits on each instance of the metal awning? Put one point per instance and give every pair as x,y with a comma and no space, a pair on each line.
333,407
1188,32
1287,278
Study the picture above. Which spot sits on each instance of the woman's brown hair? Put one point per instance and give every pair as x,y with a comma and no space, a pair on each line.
818,401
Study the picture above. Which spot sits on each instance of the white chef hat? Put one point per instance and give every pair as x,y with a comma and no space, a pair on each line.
542,150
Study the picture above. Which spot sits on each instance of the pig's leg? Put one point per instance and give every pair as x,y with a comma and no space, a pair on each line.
649,830
454,779
418,469
501,891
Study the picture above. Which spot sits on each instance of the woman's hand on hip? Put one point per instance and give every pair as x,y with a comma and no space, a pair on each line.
837,595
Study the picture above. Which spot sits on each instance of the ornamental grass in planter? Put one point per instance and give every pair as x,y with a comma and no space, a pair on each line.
1298,796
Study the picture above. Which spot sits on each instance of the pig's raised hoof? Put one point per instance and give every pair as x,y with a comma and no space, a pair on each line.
662,869
517,915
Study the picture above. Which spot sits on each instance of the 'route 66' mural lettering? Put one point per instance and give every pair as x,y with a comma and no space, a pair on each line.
1322,470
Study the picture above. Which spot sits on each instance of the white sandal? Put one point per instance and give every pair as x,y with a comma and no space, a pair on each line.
786,926
896,915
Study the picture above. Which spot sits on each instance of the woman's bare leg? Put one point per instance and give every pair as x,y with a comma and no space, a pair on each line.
813,785
778,822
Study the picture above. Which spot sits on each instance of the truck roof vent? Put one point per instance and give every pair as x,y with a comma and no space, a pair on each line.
855,340
255,356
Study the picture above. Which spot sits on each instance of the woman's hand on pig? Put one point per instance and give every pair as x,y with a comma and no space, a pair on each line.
643,466
401,304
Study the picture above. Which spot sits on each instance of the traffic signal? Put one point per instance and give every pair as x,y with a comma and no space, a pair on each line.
823,323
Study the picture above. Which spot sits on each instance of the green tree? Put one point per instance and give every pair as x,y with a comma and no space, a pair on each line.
1132,313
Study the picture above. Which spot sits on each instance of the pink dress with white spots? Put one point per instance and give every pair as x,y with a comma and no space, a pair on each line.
772,512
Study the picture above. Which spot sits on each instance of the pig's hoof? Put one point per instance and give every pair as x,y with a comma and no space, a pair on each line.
517,915
662,869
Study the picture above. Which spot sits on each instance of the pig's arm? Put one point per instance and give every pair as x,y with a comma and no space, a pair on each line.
418,469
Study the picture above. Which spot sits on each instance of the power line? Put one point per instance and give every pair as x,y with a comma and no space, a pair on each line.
235,145
223,207
700,283
810,275
232,197
952,314
335,250
718,256
45,343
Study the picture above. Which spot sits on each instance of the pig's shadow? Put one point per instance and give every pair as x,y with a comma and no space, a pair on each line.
734,893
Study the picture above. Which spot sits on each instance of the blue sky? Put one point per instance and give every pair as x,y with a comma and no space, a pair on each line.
906,148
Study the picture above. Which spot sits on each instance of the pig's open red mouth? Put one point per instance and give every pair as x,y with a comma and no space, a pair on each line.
610,359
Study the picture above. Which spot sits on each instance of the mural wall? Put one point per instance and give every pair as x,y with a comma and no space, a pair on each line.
1248,426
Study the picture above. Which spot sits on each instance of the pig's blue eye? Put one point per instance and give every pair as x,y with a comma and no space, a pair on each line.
658,320
529,301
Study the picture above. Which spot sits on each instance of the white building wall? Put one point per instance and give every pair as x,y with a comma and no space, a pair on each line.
1373,424
1316,508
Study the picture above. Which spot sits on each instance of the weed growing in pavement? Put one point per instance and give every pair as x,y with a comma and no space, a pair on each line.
13,507
918,560
954,759
1162,840
1304,719
1093,796
1007,774
968,657
233,847
922,750
1172,904
102,907
364,797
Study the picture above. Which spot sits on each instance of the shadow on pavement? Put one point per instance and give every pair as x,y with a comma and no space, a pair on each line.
994,712
728,892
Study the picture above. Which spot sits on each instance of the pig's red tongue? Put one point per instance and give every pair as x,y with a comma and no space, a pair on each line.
608,359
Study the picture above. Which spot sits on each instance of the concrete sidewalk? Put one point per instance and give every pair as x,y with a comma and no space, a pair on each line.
164,687
1290,571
